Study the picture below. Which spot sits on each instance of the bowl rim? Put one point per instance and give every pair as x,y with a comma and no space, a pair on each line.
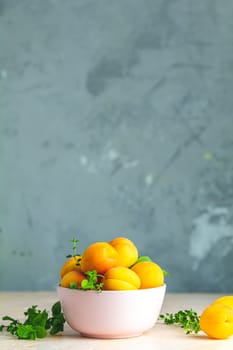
134,291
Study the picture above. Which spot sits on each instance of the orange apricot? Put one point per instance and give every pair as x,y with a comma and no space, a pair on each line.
217,321
99,256
126,249
72,264
150,274
72,277
112,284
226,300
121,278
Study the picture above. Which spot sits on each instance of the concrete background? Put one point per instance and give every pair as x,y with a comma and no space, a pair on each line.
116,120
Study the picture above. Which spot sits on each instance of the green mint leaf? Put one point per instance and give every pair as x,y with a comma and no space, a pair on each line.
30,310
41,319
26,332
166,274
57,324
40,332
36,323
73,285
36,317
8,318
56,329
56,308
85,284
93,281
143,258
12,326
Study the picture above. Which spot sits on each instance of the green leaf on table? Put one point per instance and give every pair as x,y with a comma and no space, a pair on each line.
26,332
36,323
187,319
56,308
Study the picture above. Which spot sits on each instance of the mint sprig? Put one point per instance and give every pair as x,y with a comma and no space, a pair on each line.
94,281
37,323
74,248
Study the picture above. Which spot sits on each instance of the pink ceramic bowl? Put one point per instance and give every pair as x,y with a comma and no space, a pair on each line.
111,314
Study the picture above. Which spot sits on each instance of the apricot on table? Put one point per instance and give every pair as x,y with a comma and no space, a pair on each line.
99,256
121,278
126,249
217,321
226,300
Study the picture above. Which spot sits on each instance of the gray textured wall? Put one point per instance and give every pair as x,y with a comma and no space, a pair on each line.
116,119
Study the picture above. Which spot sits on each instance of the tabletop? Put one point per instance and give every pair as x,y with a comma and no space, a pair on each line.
161,337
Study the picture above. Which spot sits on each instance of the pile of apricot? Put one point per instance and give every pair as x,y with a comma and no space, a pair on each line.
119,264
